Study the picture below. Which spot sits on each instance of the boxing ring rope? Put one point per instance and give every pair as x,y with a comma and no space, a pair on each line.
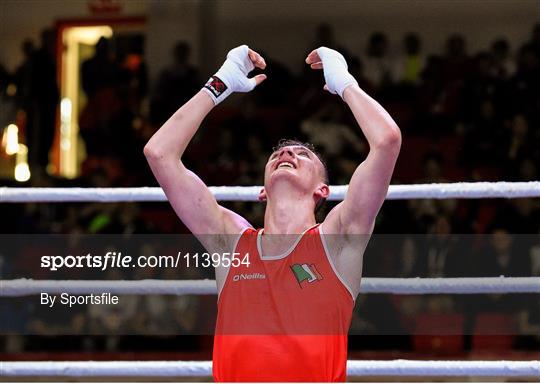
400,286
510,190
496,368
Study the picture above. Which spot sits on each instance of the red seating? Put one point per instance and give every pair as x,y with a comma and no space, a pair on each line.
485,216
494,331
409,166
439,333
165,220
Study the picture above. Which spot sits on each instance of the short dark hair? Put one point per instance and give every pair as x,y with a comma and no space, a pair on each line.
297,143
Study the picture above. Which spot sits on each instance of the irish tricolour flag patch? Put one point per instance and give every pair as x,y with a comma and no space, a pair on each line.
305,273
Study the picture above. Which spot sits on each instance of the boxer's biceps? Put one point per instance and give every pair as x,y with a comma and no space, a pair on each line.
192,201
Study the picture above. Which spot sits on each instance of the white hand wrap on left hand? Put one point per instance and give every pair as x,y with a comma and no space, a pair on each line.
336,72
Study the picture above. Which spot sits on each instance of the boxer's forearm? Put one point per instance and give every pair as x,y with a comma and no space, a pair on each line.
171,140
380,129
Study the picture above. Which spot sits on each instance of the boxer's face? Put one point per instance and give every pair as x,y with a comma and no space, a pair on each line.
298,165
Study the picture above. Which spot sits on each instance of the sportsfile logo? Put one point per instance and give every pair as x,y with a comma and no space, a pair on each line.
249,276
216,86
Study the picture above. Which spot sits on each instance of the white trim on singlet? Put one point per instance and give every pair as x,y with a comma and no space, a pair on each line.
327,252
232,251
284,254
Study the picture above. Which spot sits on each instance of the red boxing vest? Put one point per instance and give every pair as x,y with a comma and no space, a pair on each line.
282,318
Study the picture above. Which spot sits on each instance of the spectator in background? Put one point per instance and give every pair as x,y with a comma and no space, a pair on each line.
133,90
45,98
535,39
245,121
356,68
431,93
529,317
278,91
111,320
528,170
407,75
377,63
516,145
408,257
37,95
503,256
529,66
377,315
409,65
324,37
225,165
500,258
134,73
23,79
503,64
308,96
100,71
425,211
444,88
433,168
519,216
481,137
524,95
482,85
440,254
5,79
100,76
253,161
534,254
438,97
108,117
175,85
328,131
456,59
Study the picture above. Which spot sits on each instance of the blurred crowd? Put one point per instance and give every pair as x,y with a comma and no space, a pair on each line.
452,323
465,116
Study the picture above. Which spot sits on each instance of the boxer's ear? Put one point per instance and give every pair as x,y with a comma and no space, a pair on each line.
262,195
322,192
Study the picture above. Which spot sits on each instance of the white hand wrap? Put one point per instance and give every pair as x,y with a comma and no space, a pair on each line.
232,76
336,72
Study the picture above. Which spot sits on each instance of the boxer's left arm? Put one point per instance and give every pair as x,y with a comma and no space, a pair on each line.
353,219
369,184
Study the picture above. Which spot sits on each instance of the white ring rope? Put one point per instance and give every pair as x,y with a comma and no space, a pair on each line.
500,368
396,192
23,287
460,285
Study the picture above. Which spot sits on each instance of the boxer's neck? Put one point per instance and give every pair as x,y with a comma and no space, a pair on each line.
288,214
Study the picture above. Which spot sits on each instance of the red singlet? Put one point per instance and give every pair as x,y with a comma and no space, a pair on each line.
283,318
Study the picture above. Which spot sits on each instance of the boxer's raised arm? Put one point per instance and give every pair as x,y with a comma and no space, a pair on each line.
190,197
369,183
354,217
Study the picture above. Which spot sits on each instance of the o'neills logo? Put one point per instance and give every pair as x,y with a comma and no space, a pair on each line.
249,276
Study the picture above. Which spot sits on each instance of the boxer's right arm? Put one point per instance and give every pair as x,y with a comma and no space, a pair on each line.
190,197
